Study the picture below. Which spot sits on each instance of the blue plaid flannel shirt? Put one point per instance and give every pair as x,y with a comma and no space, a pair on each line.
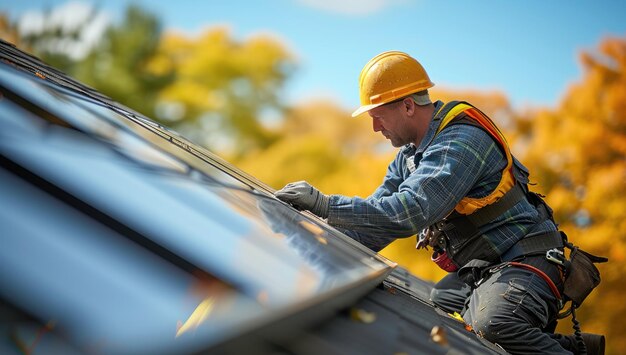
423,185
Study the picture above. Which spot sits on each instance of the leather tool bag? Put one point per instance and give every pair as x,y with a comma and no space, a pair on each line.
582,276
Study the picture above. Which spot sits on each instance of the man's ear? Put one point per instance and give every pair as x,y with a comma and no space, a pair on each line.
409,106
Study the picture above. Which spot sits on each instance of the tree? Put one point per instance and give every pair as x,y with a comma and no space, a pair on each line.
227,88
119,65
321,143
79,40
10,33
576,153
61,36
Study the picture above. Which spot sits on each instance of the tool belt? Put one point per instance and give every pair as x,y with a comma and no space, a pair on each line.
579,272
459,235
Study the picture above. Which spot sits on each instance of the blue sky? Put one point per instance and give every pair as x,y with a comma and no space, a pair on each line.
527,49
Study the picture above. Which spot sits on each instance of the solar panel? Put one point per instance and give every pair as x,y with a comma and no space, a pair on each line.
130,247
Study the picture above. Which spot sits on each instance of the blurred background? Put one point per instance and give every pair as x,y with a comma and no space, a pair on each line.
270,85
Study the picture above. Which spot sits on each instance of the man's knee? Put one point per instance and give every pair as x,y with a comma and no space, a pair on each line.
450,300
495,332
437,297
517,337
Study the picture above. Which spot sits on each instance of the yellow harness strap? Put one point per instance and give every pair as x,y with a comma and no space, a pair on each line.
469,205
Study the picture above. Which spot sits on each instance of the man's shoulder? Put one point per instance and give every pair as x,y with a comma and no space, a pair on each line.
463,132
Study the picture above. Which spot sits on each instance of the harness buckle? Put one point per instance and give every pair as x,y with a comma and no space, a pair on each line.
433,236
557,256
423,239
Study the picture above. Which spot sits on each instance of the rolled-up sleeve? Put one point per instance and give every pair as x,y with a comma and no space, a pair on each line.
456,161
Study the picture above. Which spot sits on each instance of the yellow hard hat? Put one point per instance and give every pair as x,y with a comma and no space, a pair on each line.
390,76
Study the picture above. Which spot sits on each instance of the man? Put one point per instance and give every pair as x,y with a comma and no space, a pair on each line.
455,182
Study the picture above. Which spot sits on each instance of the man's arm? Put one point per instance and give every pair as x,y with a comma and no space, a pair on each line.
392,181
459,157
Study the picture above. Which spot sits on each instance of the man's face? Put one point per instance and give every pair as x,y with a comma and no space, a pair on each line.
392,122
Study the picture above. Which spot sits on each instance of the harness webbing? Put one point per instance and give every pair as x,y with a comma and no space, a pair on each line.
534,245
468,225
455,112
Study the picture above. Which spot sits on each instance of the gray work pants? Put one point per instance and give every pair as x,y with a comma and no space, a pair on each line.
510,307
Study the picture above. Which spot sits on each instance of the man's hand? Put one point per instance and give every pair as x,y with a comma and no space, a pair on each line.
304,196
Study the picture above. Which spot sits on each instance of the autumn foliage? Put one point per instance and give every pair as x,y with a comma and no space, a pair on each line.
577,153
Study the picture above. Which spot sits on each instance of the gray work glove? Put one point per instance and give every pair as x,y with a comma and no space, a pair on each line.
304,196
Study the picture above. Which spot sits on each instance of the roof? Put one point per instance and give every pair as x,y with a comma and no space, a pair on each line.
121,236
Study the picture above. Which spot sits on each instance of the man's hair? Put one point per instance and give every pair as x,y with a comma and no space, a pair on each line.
421,98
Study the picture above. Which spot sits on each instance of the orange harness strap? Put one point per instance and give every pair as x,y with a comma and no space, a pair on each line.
468,205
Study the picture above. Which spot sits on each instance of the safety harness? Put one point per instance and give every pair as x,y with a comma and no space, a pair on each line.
457,112
470,214
579,275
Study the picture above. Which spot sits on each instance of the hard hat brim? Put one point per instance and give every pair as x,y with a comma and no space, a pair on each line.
365,108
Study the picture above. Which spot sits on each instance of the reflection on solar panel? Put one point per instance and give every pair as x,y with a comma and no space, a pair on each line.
120,236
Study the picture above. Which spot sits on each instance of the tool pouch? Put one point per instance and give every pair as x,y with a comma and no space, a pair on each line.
582,275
